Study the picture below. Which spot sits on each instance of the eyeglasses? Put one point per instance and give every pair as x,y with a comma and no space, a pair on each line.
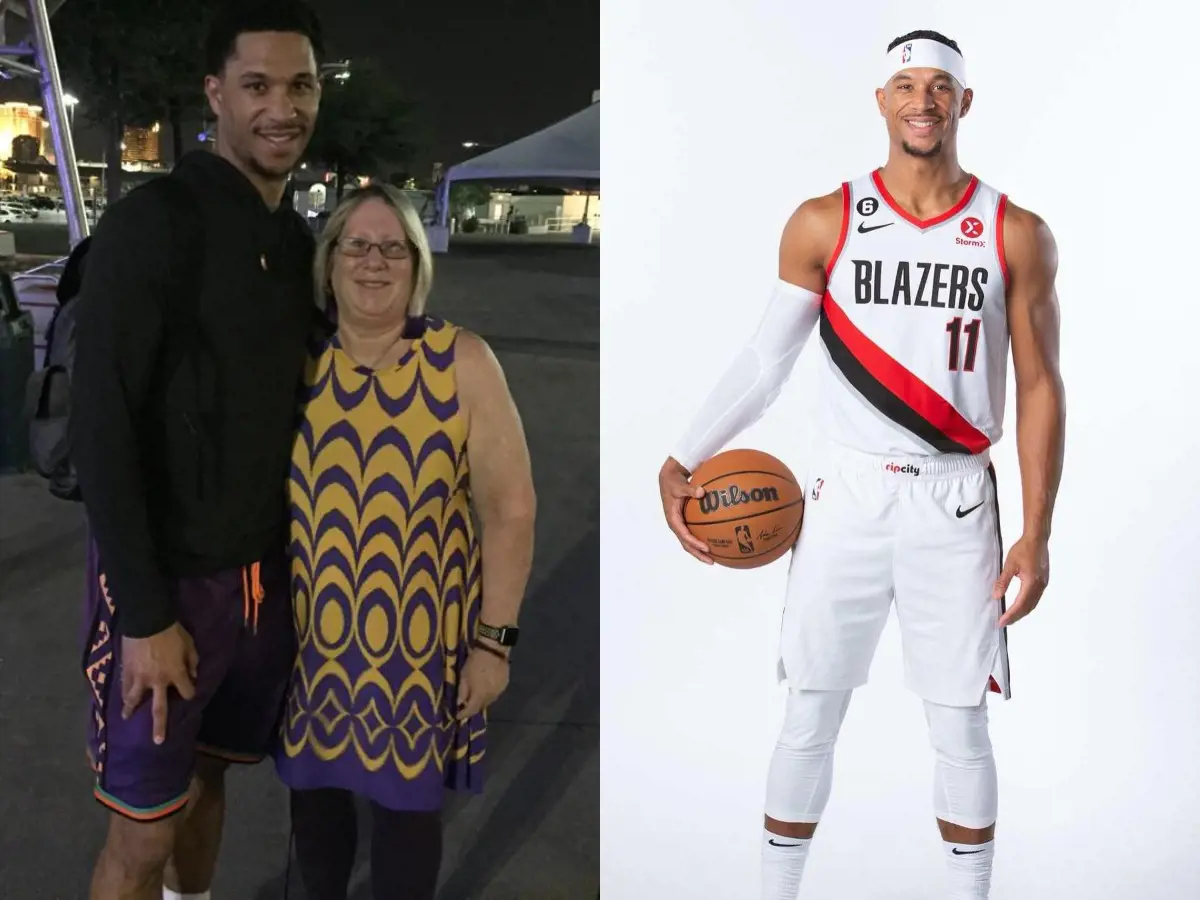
359,247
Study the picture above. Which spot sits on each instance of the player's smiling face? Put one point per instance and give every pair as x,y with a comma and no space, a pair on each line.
922,108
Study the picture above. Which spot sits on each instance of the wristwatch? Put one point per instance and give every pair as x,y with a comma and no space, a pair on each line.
505,635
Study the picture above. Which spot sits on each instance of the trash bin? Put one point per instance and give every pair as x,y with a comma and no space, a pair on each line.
16,365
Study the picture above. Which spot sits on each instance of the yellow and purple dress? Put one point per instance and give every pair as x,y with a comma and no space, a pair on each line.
386,580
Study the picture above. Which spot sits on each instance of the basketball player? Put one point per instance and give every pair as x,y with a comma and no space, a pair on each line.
918,273
181,439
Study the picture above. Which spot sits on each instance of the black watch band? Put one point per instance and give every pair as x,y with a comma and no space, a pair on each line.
505,635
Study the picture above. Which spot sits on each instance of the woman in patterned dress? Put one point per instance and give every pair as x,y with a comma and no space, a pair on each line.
405,615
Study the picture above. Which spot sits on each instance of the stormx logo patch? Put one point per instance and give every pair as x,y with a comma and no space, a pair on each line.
972,232
906,469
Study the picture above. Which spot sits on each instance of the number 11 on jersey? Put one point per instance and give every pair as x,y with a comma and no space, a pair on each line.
958,359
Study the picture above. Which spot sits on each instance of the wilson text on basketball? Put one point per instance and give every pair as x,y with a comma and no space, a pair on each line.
733,495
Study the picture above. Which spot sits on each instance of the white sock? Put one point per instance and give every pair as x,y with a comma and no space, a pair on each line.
783,861
169,894
970,868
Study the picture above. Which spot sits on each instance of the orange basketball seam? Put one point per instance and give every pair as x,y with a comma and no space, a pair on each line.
791,480
765,512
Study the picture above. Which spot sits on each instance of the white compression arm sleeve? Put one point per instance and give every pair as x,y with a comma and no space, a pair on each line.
756,376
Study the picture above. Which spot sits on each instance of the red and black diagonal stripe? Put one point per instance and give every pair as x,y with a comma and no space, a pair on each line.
892,389
992,686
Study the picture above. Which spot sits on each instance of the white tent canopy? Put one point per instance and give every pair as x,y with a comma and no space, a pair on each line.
567,152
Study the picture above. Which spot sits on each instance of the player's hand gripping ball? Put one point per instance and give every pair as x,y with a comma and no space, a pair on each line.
751,510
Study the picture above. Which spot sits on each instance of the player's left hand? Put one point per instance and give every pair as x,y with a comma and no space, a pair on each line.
1029,562
484,678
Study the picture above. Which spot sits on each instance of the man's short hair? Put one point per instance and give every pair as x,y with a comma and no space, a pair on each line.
924,36
240,17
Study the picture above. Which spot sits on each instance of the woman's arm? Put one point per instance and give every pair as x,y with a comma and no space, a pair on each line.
501,481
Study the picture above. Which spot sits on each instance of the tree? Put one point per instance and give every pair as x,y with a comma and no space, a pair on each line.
175,83
364,125
132,62
464,194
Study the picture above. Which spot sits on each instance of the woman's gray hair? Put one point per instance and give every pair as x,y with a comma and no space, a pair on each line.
414,230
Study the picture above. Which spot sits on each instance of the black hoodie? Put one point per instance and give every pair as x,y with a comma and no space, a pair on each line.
183,472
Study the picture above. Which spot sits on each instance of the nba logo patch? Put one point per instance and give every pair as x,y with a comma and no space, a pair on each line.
906,53
816,491
744,541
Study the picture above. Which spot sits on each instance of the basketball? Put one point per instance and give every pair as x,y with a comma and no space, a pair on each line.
751,510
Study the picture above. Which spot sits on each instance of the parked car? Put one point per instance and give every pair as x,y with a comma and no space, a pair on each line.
23,204
11,212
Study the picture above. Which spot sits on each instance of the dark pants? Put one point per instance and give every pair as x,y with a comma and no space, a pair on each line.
406,847
241,623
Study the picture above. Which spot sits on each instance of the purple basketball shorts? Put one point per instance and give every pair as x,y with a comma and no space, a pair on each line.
241,623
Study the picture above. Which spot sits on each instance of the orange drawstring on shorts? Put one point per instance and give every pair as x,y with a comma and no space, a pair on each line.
252,589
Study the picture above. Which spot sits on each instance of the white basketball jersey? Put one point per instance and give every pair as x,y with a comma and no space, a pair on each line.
914,326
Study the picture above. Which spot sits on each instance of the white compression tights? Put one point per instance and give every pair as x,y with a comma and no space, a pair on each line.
964,771
801,771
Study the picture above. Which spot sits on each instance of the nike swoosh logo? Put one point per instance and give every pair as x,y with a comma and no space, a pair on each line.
960,512
958,852
863,228
773,843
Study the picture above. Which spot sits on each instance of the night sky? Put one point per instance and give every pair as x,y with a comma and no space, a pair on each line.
480,71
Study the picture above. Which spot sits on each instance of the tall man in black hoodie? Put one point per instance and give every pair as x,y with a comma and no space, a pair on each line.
181,436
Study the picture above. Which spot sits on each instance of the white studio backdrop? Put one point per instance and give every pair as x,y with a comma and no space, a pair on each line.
722,118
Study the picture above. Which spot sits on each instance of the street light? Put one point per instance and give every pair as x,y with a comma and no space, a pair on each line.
70,101
339,70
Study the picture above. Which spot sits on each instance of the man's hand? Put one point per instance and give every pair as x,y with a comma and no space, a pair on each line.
484,678
156,664
674,487
1029,562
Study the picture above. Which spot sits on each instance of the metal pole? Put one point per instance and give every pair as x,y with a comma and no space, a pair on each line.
64,144
19,68
442,200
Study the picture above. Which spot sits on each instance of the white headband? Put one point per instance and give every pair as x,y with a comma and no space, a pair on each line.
926,54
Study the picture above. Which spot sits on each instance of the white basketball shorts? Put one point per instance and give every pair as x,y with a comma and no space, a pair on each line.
921,531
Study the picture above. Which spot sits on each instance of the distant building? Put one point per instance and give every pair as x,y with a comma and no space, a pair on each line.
25,148
140,145
22,120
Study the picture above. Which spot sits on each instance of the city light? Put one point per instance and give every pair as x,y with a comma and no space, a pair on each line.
70,101
340,70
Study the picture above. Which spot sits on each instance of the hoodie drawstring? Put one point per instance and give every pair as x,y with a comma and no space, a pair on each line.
252,590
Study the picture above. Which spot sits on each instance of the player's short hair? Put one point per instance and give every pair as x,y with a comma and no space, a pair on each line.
239,17
924,36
